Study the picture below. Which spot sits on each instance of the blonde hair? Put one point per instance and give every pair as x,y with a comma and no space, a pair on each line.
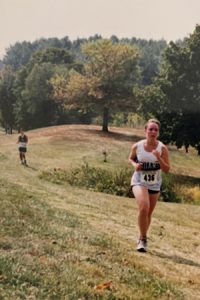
152,121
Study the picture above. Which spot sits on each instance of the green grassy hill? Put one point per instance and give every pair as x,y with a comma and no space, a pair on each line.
63,242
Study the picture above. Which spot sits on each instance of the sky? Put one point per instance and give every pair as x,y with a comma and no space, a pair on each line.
29,20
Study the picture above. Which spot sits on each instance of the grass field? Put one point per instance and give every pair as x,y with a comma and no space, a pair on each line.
63,242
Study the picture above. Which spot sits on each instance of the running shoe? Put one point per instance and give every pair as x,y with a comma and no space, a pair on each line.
142,245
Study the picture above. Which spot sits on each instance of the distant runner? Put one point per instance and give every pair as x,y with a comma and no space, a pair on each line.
22,143
149,157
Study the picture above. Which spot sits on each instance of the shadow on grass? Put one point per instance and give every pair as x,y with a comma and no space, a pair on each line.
116,135
186,180
31,167
176,259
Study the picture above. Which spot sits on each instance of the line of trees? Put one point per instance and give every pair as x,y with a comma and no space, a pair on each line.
52,81
174,97
32,72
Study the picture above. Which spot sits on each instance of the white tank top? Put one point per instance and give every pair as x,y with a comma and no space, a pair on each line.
145,156
150,175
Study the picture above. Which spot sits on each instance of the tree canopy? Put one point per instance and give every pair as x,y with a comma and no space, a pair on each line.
174,97
7,99
109,73
68,61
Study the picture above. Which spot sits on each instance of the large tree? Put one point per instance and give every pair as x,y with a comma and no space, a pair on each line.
34,106
7,99
40,107
106,82
18,55
175,96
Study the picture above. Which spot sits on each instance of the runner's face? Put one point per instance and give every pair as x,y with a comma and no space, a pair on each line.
152,130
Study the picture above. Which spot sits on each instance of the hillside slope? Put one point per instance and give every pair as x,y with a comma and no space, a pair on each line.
61,242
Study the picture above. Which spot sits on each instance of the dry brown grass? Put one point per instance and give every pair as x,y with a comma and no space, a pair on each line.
105,227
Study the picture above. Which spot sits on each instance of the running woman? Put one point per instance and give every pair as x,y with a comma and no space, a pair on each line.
22,146
149,157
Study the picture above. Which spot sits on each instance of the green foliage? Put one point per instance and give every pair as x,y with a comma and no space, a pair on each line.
18,55
7,99
174,96
101,84
126,119
40,106
151,57
151,100
52,55
135,120
168,189
97,179
34,106
118,119
112,93
106,181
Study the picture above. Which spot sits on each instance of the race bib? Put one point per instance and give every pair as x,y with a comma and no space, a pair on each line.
23,145
149,177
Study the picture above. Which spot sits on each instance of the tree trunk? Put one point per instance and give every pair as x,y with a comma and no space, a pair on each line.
6,129
105,119
198,149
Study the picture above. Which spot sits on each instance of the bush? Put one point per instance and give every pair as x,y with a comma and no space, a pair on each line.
102,180
168,189
97,179
110,182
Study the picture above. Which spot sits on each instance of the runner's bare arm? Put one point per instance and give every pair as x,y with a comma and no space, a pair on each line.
163,159
133,158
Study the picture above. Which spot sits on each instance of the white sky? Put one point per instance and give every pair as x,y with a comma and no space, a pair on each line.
32,19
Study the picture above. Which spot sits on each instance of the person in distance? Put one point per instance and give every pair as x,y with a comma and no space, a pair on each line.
22,146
